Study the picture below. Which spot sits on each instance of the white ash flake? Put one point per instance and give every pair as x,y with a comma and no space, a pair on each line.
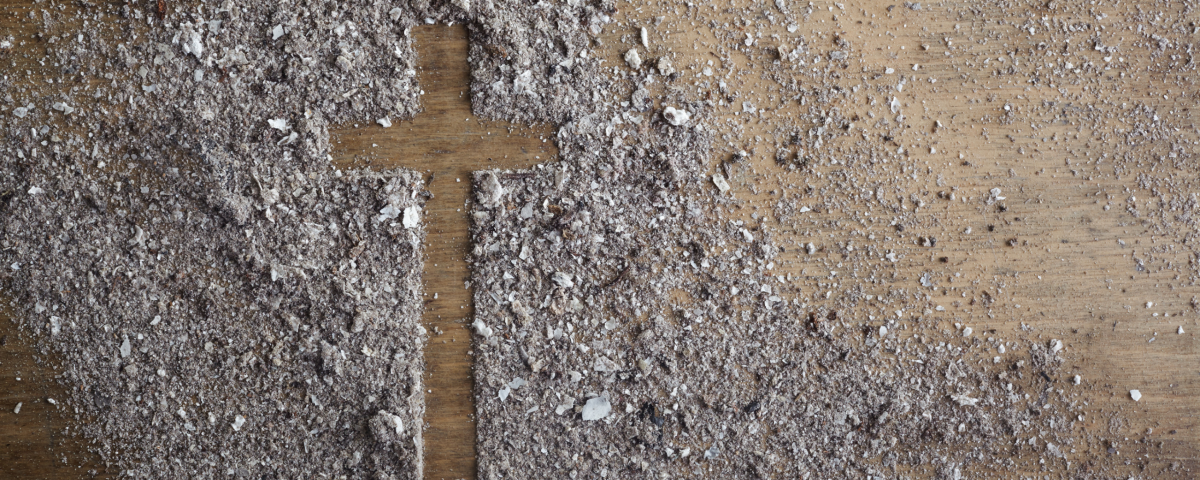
18,409
63,107
676,117
35,191
490,191
633,58
564,280
384,122
596,408
722,184
964,400
1056,345
508,388
387,428
190,40
412,217
481,328
279,124
238,422
665,67
1135,395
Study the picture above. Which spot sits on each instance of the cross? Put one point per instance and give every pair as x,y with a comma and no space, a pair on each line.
446,143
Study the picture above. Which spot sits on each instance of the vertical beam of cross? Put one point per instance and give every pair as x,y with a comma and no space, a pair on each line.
446,143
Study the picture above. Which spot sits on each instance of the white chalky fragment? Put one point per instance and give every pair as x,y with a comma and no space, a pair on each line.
883,331
1056,345
596,408
964,400
490,190
62,107
279,124
720,182
564,280
712,452
18,409
412,217
386,428
1180,331
481,328
385,122
36,191
645,37
388,212
633,59
1135,395
191,41
665,67
55,325
676,116
125,348
604,364
238,421
20,112
1077,380
277,32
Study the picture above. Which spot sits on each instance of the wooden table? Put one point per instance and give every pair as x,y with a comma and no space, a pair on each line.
1071,274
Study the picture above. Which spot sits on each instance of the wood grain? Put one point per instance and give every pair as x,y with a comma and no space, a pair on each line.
1070,276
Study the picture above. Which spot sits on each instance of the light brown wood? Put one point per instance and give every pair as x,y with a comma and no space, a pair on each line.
1069,275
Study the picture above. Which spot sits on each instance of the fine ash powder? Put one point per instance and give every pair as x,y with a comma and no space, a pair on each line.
225,303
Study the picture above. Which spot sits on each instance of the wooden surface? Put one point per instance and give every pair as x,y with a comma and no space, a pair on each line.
1071,275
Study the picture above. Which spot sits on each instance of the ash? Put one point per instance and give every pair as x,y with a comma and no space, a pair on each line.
626,329
221,301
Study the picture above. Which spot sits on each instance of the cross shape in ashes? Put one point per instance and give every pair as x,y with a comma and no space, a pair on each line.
447,144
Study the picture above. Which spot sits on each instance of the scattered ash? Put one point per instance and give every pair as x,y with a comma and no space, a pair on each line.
220,300
643,311
626,329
